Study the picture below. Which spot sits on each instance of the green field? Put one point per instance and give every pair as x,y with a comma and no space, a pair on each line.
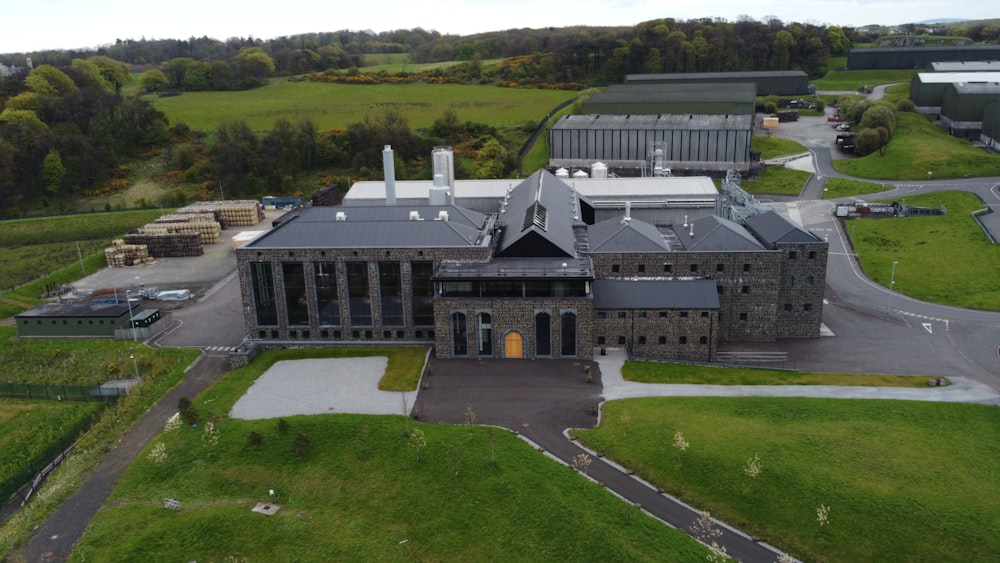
851,80
842,187
335,106
363,491
904,481
665,372
924,247
773,147
777,180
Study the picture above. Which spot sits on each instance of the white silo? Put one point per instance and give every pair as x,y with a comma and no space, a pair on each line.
599,170
562,173
443,160
439,191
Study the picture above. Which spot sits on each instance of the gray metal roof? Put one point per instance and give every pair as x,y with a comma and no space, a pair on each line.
661,121
749,75
922,49
79,309
651,293
953,77
378,227
988,88
713,233
772,228
673,93
618,235
538,218
964,66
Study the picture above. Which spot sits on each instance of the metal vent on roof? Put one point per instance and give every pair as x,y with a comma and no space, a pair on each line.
536,215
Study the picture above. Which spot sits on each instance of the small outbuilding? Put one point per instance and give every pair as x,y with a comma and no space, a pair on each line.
963,105
83,319
674,99
927,88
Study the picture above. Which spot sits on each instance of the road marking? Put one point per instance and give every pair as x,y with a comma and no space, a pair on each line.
938,319
825,330
928,326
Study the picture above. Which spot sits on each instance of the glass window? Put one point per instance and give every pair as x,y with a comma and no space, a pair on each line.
543,334
567,335
296,304
262,280
746,268
682,340
792,255
668,268
703,340
359,301
662,340
391,294
642,340
485,334
812,254
807,307
720,267
745,289
459,335
788,307
616,268
327,299
642,268
694,268
423,293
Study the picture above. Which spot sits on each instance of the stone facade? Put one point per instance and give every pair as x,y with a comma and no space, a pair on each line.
679,334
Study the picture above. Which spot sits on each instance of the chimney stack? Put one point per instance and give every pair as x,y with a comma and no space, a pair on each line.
389,168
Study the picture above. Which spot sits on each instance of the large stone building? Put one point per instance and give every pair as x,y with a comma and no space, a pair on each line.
535,279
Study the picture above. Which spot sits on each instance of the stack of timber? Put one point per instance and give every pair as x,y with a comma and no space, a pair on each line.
209,231
240,213
120,254
168,245
327,196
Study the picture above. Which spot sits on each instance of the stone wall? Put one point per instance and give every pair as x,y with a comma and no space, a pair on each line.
670,334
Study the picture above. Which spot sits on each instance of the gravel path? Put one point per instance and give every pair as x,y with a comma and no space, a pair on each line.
342,385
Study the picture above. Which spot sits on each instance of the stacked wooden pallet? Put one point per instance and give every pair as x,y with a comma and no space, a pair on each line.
239,213
120,254
327,196
169,245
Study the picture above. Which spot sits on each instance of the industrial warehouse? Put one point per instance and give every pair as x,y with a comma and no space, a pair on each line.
539,277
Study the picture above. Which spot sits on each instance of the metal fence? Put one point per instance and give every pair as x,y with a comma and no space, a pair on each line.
61,392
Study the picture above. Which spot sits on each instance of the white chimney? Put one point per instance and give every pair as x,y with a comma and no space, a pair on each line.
439,191
628,210
685,220
389,168
443,160
691,234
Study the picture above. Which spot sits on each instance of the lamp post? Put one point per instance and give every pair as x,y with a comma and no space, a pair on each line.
131,319
135,365
892,283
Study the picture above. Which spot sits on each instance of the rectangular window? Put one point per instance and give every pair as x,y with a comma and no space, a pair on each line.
359,301
682,340
745,289
600,341
746,268
327,299
792,255
423,293
642,314
642,340
391,293
296,304
743,317
788,307
642,268
694,268
616,268
661,340
684,314
812,254
601,315
668,268
704,314
621,314
663,314
720,267
807,307
262,280
621,340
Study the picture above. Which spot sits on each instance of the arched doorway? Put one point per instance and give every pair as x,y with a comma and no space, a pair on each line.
513,345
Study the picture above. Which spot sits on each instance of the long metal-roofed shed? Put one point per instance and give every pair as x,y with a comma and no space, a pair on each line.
927,88
963,105
990,135
916,57
693,144
651,99
81,319
767,82
964,66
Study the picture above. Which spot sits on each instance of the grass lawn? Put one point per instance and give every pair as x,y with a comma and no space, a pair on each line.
664,372
773,147
842,187
335,106
29,429
851,80
926,247
904,481
918,147
777,180
363,490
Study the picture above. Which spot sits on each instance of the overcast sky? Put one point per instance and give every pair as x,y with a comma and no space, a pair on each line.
68,24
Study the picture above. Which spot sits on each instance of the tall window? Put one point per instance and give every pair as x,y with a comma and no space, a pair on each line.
390,294
327,298
359,302
262,280
296,303
459,335
567,335
485,334
543,334
423,293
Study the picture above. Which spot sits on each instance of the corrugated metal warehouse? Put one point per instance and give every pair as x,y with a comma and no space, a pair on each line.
768,82
916,57
963,105
927,88
964,66
991,125
655,99
702,144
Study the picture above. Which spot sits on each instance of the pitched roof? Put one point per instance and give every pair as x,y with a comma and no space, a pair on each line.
377,227
620,235
655,294
772,228
713,233
538,218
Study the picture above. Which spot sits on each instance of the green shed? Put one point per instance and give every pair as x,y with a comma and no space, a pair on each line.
674,99
963,105
82,319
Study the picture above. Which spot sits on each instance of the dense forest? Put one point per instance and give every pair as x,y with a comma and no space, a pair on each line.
66,129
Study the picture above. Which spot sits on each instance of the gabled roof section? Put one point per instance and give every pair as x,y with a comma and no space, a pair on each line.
655,294
773,228
538,218
625,235
713,233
